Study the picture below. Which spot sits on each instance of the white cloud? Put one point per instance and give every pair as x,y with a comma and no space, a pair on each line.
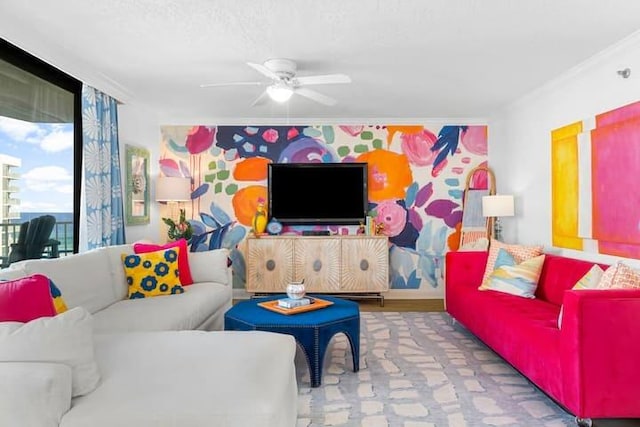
48,178
51,138
19,130
66,189
29,206
57,141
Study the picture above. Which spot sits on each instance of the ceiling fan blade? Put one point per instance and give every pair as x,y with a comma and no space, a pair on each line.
324,79
263,70
231,84
315,96
259,99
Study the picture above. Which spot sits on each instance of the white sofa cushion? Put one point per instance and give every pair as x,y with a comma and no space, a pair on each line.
164,313
191,378
66,338
210,266
85,280
119,282
15,271
34,394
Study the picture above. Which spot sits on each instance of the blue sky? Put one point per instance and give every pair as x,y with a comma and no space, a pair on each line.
46,151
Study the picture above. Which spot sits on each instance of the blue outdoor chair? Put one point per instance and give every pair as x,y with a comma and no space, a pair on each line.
34,238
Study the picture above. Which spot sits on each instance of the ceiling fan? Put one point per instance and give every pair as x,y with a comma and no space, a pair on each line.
285,83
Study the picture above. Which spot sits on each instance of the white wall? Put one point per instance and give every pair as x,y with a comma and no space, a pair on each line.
520,136
139,127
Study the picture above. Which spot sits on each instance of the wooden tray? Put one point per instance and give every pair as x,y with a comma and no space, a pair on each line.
315,305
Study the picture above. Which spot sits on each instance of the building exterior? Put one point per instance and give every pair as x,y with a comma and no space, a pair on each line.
10,209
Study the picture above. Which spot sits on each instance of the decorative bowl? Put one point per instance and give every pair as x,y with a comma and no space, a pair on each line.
295,290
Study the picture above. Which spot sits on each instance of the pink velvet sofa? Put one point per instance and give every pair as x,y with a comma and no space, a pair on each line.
591,366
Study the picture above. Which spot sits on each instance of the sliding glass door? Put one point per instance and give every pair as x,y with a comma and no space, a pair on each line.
40,148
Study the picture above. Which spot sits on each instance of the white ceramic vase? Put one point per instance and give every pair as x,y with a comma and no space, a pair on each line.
295,290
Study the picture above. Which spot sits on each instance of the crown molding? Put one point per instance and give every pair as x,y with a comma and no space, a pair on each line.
607,55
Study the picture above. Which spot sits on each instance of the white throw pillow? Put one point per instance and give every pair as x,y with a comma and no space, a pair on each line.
34,394
209,266
66,338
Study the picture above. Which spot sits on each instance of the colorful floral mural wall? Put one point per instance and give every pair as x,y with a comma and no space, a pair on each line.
416,182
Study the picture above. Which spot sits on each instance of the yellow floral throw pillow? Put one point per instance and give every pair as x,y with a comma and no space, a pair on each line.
153,273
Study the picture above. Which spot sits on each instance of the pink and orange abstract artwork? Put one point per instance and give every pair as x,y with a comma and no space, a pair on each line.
595,166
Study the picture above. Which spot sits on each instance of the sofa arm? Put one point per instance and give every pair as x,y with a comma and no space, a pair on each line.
34,394
600,350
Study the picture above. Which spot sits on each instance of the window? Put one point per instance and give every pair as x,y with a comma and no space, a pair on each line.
40,147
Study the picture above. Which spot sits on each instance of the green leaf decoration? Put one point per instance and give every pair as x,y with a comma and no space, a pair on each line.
361,148
329,136
377,143
212,165
210,177
231,189
217,188
366,135
343,151
222,175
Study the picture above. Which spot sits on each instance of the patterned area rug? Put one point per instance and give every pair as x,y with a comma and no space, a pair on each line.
419,370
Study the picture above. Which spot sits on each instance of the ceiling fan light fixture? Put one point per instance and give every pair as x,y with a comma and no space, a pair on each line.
279,93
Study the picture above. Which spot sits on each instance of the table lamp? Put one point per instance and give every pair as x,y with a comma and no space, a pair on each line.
173,190
496,206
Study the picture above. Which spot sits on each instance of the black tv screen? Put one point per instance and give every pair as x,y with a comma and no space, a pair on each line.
318,193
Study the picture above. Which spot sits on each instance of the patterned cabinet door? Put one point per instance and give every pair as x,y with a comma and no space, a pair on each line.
365,264
269,264
317,261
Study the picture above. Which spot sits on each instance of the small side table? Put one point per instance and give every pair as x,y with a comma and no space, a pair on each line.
312,330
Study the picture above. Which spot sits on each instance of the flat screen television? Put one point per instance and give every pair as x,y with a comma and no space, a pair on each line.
318,193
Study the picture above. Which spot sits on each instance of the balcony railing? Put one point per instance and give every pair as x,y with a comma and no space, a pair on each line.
10,201
62,232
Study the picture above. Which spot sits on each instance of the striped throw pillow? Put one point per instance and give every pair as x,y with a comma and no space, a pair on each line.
519,252
520,279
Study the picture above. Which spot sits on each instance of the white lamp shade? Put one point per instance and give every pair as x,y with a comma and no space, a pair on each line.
173,189
497,205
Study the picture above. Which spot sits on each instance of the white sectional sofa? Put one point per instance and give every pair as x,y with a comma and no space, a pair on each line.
95,280
162,361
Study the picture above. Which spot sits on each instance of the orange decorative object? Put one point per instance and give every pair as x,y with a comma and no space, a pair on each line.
273,306
245,203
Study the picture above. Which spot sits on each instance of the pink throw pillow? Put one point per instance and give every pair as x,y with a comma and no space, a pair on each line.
620,276
183,257
26,299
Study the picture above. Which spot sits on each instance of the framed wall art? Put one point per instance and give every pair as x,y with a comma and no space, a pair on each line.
137,186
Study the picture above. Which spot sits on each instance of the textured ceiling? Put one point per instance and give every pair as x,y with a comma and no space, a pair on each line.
407,59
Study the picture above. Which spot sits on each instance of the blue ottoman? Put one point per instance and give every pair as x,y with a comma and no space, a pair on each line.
312,330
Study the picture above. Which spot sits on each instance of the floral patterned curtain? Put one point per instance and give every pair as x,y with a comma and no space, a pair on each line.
101,219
